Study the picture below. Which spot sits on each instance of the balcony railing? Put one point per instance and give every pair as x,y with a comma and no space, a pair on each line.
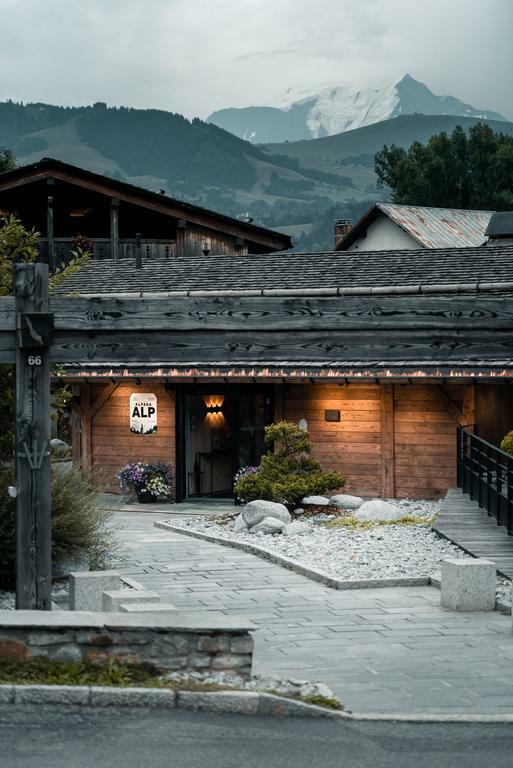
150,249
486,474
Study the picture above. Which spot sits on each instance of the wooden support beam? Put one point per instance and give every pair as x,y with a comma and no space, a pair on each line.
49,225
278,400
33,502
86,433
180,237
75,423
468,413
451,405
387,441
100,400
114,228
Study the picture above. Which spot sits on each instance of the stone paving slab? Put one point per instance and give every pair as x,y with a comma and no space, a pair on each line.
381,650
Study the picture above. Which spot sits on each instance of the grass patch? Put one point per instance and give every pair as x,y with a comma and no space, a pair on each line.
323,701
50,672
352,522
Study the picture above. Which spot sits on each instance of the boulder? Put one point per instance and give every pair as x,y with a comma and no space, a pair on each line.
239,525
317,500
376,510
255,511
268,525
295,527
345,501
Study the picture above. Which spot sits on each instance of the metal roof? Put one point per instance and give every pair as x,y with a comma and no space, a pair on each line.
430,227
440,227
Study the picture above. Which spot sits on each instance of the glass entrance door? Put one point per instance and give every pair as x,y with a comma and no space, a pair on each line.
224,431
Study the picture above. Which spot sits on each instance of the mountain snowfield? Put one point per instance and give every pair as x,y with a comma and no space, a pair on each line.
301,114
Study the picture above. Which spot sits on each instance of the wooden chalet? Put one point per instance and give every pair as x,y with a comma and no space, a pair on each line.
381,355
62,201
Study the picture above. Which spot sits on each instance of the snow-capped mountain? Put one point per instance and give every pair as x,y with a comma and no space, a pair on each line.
301,114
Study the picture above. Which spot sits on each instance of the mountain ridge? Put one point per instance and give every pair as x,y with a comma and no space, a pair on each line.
337,109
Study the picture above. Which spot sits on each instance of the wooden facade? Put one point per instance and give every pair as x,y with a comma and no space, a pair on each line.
392,440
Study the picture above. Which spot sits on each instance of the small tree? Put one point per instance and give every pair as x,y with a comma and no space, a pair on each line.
288,473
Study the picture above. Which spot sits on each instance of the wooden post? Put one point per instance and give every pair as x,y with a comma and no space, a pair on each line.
86,433
34,327
75,425
180,237
387,441
468,412
114,229
138,253
49,225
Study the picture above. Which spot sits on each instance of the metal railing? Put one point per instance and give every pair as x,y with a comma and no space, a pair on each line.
486,474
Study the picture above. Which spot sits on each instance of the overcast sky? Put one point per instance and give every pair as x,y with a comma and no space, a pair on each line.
194,56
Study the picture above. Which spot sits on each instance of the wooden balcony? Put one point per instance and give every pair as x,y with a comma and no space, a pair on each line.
102,249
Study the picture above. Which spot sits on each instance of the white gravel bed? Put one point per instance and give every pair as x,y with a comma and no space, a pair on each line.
264,683
346,553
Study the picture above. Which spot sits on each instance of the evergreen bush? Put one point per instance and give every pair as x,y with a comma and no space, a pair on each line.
288,473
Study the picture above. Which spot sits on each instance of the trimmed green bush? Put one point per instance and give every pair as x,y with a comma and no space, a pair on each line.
288,473
79,526
507,443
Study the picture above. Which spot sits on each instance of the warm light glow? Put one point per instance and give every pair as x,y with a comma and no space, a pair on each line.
214,416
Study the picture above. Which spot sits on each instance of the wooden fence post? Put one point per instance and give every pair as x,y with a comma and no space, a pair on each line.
34,331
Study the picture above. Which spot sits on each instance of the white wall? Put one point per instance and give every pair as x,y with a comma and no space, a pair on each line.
384,235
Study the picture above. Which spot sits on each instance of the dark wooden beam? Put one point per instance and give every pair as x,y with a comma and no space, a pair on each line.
33,502
281,313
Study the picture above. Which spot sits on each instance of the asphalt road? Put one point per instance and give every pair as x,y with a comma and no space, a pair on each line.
52,737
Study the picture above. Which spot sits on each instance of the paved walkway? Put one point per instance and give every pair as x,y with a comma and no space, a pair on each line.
381,650
462,521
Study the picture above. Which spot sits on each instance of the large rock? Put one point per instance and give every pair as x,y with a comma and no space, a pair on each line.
317,500
295,527
255,511
344,501
268,525
376,510
240,525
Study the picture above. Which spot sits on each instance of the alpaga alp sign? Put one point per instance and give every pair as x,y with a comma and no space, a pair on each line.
143,413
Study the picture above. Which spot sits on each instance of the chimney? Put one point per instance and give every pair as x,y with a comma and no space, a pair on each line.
500,229
342,228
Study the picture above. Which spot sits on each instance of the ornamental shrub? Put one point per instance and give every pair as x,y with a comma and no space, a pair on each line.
507,443
79,526
288,473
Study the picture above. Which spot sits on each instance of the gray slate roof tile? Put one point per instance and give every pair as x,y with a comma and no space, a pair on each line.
340,269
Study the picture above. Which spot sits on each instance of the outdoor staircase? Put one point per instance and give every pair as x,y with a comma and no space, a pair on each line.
465,523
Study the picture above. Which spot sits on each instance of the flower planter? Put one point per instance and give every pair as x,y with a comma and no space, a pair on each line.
145,497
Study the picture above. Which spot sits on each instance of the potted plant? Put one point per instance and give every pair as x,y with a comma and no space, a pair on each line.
148,482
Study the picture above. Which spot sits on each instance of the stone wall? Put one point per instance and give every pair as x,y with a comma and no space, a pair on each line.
176,643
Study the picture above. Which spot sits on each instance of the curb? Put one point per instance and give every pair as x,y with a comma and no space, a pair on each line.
218,702
293,565
215,702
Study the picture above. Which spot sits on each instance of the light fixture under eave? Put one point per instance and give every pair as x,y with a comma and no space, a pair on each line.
214,407
76,213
